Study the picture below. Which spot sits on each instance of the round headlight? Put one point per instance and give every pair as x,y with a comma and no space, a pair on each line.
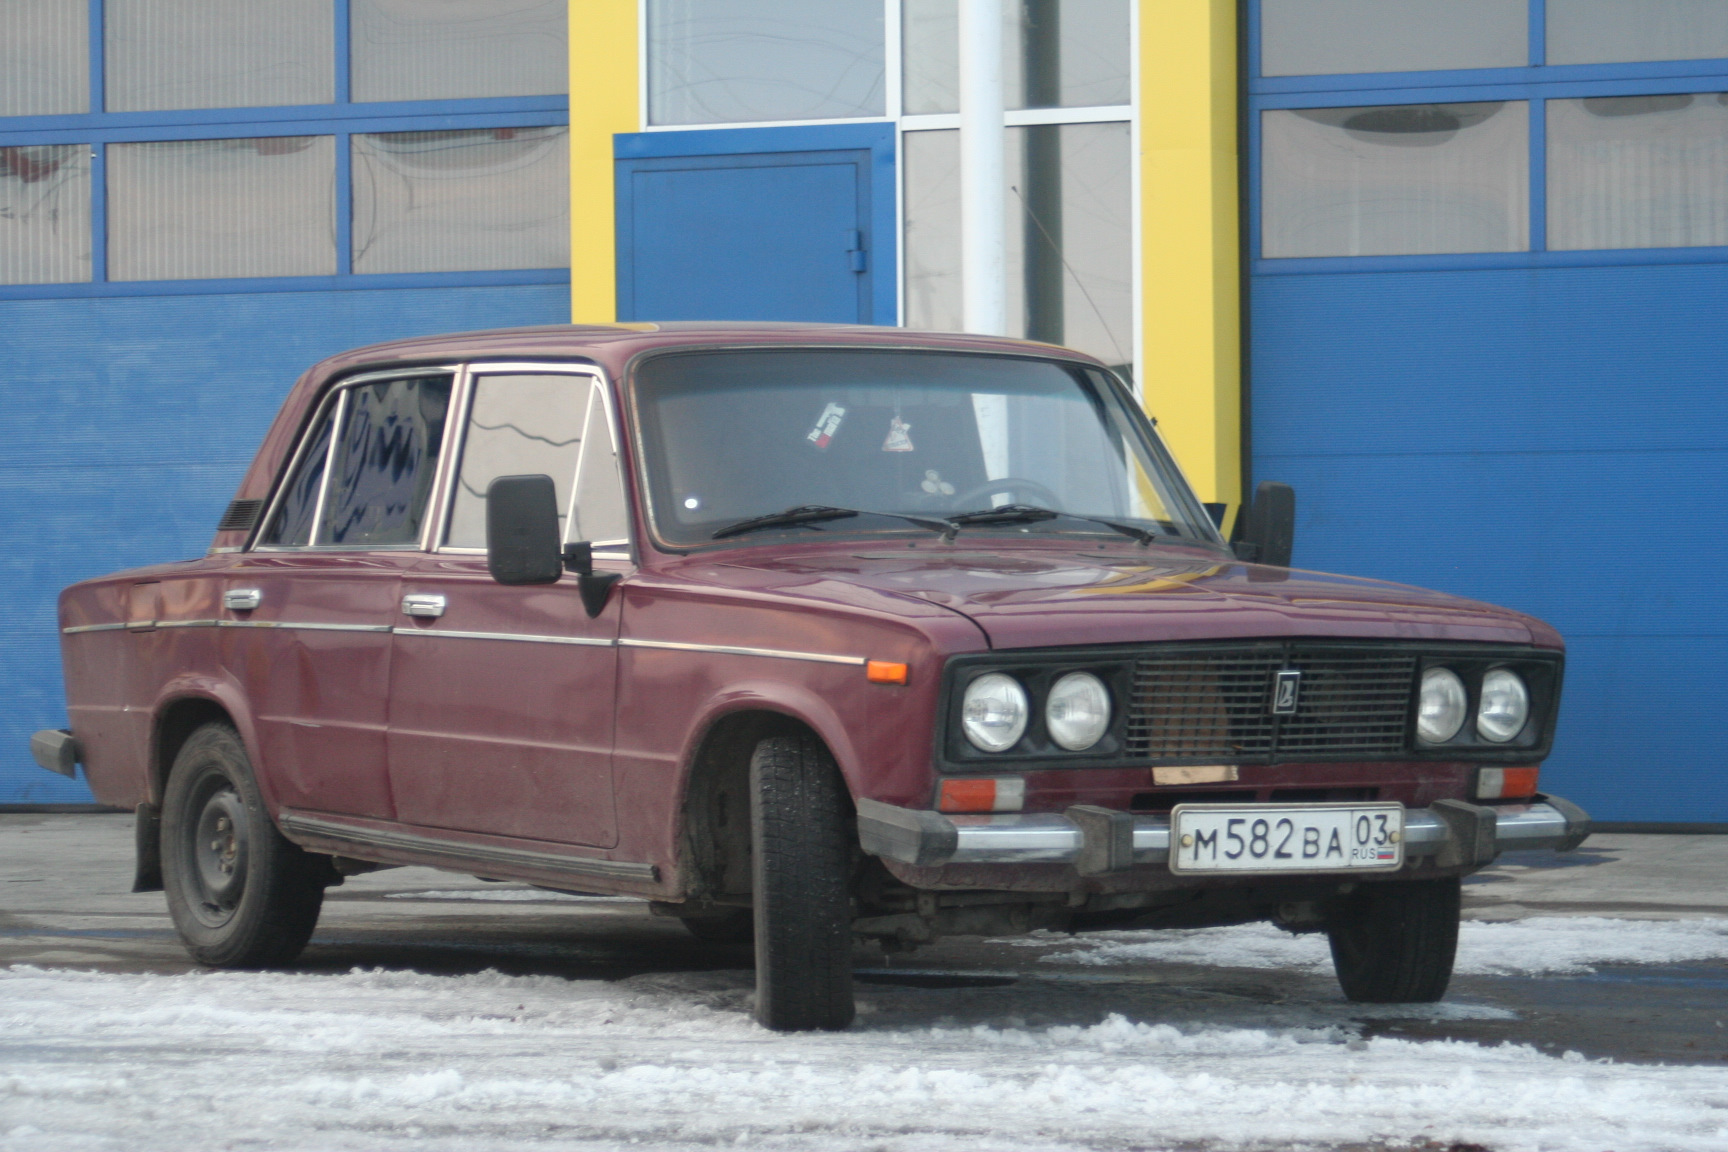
1440,713
993,712
1505,706
1078,711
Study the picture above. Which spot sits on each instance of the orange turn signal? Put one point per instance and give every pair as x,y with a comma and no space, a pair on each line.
987,795
884,672
1506,783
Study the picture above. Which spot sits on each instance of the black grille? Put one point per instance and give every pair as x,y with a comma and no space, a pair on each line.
1218,705
240,516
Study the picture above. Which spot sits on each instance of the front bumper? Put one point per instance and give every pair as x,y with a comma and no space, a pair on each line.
1099,840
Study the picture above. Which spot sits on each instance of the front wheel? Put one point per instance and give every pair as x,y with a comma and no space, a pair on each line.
241,894
1394,943
801,865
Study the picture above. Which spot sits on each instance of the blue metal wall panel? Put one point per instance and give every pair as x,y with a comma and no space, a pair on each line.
130,421
1552,440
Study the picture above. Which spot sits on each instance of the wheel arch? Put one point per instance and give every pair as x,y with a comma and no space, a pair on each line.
714,806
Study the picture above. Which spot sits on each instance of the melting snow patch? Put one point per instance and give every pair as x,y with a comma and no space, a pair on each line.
1568,945
391,1061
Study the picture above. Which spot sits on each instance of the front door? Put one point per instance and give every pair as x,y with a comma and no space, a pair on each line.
765,236
501,697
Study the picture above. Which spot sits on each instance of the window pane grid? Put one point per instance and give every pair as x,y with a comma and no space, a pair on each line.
240,207
1614,171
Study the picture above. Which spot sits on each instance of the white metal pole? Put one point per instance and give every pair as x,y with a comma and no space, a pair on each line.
983,170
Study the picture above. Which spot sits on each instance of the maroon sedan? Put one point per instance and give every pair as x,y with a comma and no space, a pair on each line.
809,635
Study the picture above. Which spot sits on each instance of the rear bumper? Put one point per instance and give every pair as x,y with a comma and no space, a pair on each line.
1098,840
56,750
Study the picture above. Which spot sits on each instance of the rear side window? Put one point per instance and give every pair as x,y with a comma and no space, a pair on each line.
291,526
364,478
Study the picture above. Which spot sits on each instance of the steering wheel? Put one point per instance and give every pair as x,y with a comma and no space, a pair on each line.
1012,485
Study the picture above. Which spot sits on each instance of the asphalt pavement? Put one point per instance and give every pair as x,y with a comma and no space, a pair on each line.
65,903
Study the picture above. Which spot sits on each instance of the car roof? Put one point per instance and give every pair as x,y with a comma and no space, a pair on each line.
613,345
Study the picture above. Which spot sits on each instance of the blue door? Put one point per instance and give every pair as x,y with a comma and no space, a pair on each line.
755,236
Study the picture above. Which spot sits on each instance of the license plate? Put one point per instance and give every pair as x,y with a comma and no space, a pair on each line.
1287,838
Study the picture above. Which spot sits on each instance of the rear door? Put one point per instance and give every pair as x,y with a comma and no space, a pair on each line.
501,698
307,611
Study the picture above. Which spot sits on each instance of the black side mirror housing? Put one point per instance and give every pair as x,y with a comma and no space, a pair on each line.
1268,530
522,537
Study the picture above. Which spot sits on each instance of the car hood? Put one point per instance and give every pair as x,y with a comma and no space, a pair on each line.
1028,598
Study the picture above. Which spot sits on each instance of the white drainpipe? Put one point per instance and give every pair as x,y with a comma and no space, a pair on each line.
983,170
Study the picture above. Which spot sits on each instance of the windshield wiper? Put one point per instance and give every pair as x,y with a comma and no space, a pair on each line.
814,513
1031,513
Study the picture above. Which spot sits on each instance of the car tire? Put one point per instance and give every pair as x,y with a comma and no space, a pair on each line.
737,926
241,895
1395,943
801,837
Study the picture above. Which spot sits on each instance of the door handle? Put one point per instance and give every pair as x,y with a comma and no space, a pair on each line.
242,599
428,604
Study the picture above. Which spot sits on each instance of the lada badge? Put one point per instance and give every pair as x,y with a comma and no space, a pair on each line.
1286,691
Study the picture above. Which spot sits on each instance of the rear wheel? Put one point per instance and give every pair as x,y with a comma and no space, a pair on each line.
1395,943
801,862
241,895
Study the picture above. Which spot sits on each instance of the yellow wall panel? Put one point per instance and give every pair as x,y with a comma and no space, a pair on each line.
1191,318
603,101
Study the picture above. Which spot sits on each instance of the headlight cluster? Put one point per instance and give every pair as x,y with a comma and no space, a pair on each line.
1502,706
995,710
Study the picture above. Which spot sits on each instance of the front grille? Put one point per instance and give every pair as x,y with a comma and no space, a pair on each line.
1218,705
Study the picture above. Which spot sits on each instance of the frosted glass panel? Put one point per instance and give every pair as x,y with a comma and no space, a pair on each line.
1398,180
1070,266
44,57
1623,31
218,53
755,60
45,214
1313,37
456,49
1638,171
462,201
211,209
1056,54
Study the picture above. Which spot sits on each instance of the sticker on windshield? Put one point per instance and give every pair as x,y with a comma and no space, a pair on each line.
899,436
826,425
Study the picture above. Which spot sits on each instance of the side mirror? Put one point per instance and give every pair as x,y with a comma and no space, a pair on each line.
522,539
1269,527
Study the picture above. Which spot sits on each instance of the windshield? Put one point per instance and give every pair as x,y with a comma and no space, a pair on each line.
734,435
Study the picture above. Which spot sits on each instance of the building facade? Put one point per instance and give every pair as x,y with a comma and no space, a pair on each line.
1457,269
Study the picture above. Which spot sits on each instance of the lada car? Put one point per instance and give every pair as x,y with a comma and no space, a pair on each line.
809,635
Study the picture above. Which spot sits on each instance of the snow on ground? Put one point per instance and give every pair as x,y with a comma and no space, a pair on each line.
387,1061
1554,944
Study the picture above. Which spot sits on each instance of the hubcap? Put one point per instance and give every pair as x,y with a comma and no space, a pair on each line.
219,851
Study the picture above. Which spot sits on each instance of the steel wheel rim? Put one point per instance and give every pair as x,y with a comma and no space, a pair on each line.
217,853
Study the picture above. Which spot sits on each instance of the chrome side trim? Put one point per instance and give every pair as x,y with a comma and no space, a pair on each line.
473,853
588,641
726,649
187,623
301,627
77,628
932,839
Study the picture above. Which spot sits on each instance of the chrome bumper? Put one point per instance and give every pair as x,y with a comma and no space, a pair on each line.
1098,840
